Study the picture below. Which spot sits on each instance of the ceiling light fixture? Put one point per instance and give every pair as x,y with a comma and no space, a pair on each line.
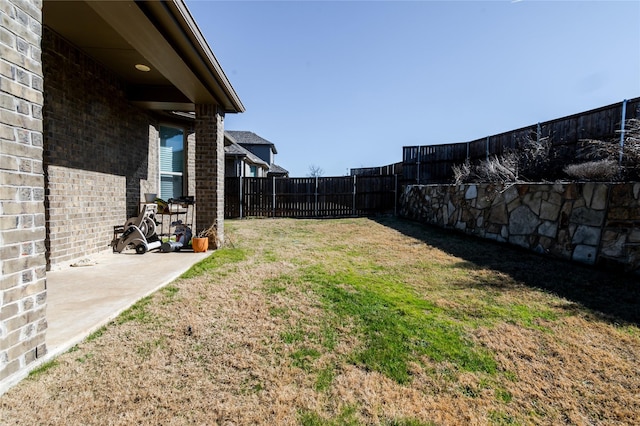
143,68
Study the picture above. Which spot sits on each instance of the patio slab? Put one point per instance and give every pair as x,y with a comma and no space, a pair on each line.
82,299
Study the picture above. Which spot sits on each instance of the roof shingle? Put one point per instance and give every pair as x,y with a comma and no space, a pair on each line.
249,138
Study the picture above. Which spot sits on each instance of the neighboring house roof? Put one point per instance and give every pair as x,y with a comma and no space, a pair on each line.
249,138
274,169
163,36
235,150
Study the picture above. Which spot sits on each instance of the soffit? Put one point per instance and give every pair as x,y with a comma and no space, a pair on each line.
120,34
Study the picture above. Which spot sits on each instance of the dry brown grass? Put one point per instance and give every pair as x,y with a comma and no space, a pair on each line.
213,349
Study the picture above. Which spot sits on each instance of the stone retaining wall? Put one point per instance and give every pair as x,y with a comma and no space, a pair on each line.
592,223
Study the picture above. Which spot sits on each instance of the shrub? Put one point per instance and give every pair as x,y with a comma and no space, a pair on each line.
503,168
600,170
461,172
539,160
531,161
602,160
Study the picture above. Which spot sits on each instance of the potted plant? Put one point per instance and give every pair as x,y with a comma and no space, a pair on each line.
201,242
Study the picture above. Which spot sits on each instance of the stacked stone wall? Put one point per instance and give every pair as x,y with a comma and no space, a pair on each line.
592,223
22,213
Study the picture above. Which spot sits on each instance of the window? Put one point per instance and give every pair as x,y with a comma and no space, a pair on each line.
253,171
171,162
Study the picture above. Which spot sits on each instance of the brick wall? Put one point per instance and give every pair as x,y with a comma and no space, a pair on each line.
22,211
209,168
83,208
150,182
100,152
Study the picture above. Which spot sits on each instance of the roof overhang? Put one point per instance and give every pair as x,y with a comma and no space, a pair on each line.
159,34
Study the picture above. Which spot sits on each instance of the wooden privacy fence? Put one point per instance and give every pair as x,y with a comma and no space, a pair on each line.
390,169
342,196
433,163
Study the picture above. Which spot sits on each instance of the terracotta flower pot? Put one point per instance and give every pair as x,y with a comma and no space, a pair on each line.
200,245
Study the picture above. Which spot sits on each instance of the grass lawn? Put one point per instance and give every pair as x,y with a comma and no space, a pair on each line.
356,322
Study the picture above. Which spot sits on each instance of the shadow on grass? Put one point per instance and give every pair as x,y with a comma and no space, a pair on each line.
610,295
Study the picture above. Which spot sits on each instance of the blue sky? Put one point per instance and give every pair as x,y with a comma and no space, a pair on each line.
343,84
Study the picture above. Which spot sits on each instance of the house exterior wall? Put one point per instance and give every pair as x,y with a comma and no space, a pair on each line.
232,167
100,152
264,152
22,210
258,172
75,160
235,167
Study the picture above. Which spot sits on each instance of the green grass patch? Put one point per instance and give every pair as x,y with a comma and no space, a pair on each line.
397,325
138,312
269,256
324,378
489,310
96,334
346,417
406,422
500,418
84,358
43,368
275,286
305,357
170,291
328,335
525,315
503,395
279,312
293,336
217,259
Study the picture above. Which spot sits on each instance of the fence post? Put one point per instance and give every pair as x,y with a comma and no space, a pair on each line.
315,210
487,156
354,195
241,198
418,165
395,196
468,143
273,200
538,131
624,117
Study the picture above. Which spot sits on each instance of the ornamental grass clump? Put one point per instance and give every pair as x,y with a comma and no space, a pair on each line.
599,170
212,233
533,160
608,160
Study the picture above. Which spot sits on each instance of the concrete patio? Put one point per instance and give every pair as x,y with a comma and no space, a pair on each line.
82,299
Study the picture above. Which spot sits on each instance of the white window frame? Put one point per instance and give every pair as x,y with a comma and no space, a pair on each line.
162,173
